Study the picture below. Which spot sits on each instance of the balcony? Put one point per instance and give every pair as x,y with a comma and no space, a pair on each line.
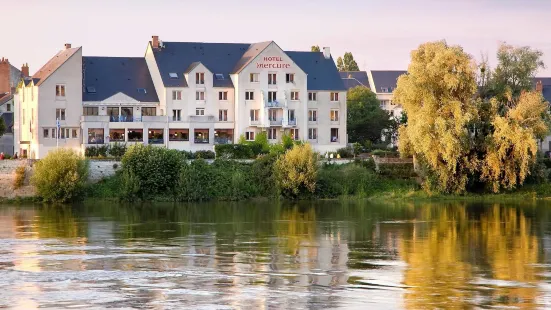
276,122
154,119
254,122
274,104
202,119
292,122
223,140
94,118
124,119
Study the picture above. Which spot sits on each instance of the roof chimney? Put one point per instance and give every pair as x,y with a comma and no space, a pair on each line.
326,53
25,70
539,86
67,46
155,41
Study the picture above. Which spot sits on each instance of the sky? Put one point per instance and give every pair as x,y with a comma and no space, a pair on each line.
379,33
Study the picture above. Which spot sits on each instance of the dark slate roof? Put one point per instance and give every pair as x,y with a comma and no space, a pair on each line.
53,64
351,83
546,82
177,57
360,76
5,98
322,73
8,120
228,58
385,79
113,75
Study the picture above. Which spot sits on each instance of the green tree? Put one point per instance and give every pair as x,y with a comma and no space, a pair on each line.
365,119
296,172
347,63
2,127
316,48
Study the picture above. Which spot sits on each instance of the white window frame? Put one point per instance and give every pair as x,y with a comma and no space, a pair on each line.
177,95
312,96
47,132
249,95
254,78
289,112
249,135
312,134
290,77
272,78
331,138
272,115
272,96
223,115
272,133
199,112
199,95
334,115
176,115
223,96
295,134
313,115
75,132
294,95
255,113
60,91
58,114
200,78
334,97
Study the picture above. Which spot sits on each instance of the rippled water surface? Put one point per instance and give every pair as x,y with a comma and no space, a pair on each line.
280,256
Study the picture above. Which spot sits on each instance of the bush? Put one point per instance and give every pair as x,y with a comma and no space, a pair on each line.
397,170
117,150
345,180
204,155
19,180
153,170
91,151
296,172
345,152
262,175
233,151
195,182
384,153
60,176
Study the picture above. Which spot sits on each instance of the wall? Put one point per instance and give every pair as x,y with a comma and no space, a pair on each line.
7,177
100,169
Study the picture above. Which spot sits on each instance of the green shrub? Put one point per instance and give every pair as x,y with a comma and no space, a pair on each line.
102,150
60,176
384,153
187,155
287,141
397,170
19,180
345,152
345,180
296,171
204,155
233,151
195,182
91,151
153,169
7,156
262,175
117,149
357,148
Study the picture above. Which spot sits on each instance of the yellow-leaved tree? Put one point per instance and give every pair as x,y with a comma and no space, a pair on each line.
438,97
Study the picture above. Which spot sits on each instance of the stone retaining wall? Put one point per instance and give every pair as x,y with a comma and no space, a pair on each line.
7,178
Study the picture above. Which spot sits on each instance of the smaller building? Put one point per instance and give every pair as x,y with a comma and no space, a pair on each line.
9,78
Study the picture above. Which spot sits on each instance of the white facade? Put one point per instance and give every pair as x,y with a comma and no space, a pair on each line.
195,117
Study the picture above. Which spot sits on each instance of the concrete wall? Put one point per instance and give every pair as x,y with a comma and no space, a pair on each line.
100,169
7,178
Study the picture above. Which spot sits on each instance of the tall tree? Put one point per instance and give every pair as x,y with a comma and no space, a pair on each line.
366,120
348,63
316,48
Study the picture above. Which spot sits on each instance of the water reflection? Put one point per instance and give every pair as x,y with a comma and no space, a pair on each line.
264,255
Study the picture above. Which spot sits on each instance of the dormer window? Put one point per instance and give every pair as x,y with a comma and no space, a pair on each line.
91,89
200,78
173,75
219,76
384,89
142,91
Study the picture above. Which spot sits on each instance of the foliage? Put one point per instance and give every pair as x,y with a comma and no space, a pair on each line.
384,153
262,174
287,141
296,171
2,127
365,119
345,180
150,169
60,176
437,94
348,63
97,151
202,154
357,147
117,149
19,180
233,151
315,48
397,170
345,152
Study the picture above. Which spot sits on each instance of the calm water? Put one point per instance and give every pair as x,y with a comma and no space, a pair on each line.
259,256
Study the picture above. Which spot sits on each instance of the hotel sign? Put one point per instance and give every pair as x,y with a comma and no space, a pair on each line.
272,62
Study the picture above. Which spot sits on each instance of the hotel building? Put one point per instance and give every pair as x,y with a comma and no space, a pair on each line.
182,95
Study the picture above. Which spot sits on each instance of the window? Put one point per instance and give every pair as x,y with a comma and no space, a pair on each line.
178,135
334,134
223,115
95,135
312,133
334,115
223,95
46,133
199,112
312,115
91,89
200,95
60,90
176,115
149,111
312,96
65,133
176,95
249,95
155,136
90,110
290,78
254,78
62,135
334,96
294,134
254,115
173,75
249,135
113,114
384,89
272,115
201,135
272,134
272,96
294,95
8,107
74,133
219,76
391,112
127,114
291,115
135,135
199,78
272,78
60,114
142,90
116,135
54,133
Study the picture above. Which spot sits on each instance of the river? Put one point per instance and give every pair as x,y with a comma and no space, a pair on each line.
259,255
